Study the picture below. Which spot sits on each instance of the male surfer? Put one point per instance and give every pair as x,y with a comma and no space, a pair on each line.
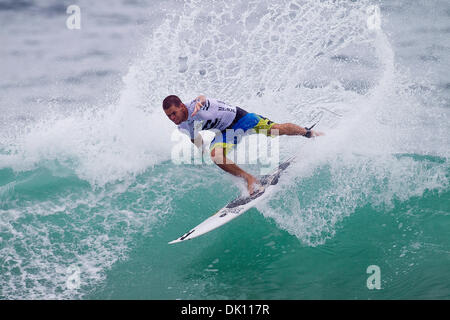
221,117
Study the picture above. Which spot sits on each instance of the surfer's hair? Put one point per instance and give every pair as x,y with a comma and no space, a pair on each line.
171,101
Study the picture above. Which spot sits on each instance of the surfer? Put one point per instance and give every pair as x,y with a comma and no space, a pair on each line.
221,117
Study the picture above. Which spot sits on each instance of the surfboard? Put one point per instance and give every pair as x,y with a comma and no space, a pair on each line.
236,207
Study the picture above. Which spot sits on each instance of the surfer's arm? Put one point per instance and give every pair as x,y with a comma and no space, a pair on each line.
201,100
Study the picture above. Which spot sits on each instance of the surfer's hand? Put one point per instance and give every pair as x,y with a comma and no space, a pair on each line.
200,101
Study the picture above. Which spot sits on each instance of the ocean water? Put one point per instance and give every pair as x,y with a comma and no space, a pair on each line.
90,195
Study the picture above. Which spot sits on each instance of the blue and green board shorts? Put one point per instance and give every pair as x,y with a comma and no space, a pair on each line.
243,124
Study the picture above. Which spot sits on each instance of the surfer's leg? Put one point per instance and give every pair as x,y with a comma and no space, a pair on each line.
291,129
218,156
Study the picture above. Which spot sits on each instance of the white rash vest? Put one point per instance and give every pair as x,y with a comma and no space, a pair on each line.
214,114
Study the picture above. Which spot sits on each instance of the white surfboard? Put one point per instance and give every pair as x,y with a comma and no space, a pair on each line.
236,207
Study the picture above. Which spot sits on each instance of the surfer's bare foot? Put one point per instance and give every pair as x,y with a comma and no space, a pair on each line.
251,183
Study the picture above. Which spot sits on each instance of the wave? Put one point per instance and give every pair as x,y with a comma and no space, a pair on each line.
78,189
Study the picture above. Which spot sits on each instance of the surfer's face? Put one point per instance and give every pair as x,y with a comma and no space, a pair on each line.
176,114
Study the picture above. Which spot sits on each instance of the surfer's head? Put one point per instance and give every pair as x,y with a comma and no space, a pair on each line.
175,109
